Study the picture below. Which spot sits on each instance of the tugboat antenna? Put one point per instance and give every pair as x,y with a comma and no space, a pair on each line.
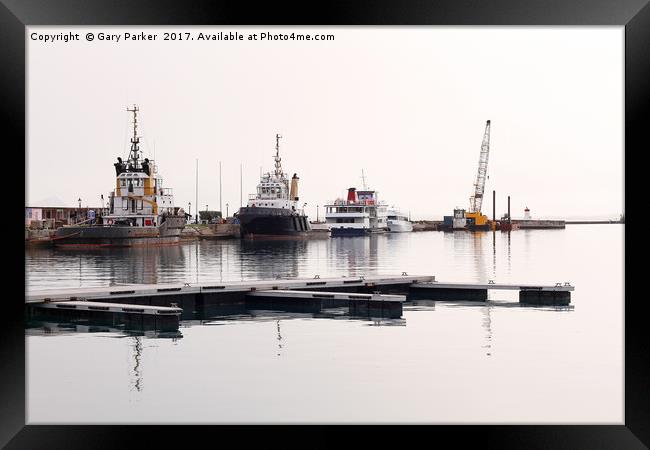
135,140
278,166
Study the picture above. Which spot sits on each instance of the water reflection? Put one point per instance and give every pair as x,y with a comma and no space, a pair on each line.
487,326
508,253
137,371
264,311
504,304
494,254
103,267
62,327
279,339
478,251
356,255
281,258
416,304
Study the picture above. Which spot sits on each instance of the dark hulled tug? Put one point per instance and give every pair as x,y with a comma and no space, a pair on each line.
274,210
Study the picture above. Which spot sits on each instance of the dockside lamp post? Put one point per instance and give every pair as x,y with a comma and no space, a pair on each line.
316,213
226,210
189,209
79,210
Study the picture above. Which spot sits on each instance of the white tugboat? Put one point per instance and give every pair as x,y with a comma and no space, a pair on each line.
274,209
141,210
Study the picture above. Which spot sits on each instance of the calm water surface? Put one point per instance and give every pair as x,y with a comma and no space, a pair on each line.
441,362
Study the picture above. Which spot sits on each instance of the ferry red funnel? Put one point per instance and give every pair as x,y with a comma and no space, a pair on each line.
352,194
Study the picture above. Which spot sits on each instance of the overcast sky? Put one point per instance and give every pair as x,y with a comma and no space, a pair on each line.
408,105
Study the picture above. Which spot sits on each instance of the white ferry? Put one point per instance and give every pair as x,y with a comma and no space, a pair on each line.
359,215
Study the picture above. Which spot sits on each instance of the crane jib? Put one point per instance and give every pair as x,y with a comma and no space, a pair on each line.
476,199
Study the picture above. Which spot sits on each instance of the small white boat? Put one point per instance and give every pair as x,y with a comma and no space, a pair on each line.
398,222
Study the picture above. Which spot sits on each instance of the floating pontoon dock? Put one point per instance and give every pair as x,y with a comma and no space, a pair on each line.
196,299
367,293
358,303
157,317
557,294
158,294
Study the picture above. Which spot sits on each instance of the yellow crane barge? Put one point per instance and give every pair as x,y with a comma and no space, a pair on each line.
472,219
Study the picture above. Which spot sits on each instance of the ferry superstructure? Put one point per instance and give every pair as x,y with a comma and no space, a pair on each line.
141,211
274,209
360,214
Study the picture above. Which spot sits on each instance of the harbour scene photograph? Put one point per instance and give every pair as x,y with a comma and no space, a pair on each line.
324,225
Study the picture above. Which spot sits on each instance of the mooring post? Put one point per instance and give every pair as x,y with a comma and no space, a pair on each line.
494,210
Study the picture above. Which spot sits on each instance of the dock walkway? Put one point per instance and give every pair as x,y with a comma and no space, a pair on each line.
557,294
385,283
166,304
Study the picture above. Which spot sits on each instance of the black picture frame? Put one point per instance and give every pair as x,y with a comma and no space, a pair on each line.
15,15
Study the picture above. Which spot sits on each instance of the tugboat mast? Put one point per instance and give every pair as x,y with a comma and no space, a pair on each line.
135,140
278,167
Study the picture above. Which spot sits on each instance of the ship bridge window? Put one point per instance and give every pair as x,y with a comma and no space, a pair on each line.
122,182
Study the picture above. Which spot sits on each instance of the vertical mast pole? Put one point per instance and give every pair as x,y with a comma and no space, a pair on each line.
135,140
278,166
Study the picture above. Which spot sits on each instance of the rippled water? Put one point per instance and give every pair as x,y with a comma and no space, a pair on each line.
441,362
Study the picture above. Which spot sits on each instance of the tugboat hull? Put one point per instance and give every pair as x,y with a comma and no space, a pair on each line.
81,236
259,221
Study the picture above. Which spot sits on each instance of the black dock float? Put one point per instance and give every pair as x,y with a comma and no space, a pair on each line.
540,297
315,301
131,316
559,294
470,294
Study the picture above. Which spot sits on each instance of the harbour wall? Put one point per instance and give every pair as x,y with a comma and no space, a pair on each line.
532,224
